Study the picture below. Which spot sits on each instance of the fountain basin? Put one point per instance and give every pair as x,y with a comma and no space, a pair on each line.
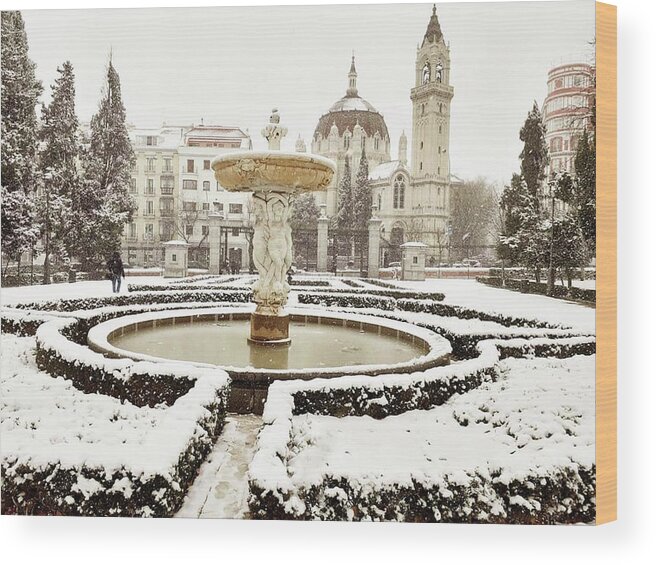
253,171
326,344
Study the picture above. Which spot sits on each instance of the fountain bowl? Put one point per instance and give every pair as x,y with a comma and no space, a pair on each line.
275,171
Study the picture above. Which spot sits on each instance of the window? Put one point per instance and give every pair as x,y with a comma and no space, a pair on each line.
150,164
133,229
150,208
189,206
174,257
440,128
206,164
347,141
151,140
190,165
421,145
148,231
206,205
150,186
189,184
206,185
205,230
235,232
399,192
421,166
166,185
167,167
133,185
235,208
189,230
218,207
556,144
415,260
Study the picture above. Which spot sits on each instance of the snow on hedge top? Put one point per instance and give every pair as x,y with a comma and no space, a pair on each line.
47,420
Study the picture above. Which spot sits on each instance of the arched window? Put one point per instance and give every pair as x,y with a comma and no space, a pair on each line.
380,203
440,130
438,71
347,141
399,192
425,73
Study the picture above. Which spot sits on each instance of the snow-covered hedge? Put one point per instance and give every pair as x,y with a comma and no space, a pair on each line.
140,383
22,323
566,494
348,300
589,273
69,453
430,307
532,287
310,282
160,297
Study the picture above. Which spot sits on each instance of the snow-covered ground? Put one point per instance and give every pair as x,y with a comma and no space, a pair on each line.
471,294
538,415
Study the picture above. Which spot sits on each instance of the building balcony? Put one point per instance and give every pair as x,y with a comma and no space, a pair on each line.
167,213
166,191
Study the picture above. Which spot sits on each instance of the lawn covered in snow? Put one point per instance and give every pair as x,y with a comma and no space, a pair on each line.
538,416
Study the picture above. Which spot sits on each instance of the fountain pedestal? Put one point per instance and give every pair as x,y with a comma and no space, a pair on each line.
274,178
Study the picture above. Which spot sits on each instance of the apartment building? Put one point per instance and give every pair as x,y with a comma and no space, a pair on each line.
175,191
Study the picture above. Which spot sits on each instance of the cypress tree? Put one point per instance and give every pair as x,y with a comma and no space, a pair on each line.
585,165
105,203
534,154
345,199
362,192
58,164
20,92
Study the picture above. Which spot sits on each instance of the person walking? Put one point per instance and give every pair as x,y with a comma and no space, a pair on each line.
116,271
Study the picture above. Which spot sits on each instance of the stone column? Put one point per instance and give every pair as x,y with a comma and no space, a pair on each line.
322,241
215,243
374,247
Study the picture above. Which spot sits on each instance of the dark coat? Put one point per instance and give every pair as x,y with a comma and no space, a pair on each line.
115,267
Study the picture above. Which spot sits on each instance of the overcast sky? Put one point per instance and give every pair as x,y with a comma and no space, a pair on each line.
232,65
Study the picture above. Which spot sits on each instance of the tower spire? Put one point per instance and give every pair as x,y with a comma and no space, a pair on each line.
352,90
433,32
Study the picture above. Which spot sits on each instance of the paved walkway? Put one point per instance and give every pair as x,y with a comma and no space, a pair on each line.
221,489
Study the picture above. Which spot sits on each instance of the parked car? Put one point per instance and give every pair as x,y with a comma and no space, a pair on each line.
395,264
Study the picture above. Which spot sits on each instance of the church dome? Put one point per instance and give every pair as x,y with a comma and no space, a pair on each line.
351,110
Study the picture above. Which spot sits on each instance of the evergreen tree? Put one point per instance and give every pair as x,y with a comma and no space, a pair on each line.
585,165
305,213
362,197
58,164
514,200
569,248
105,204
345,215
534,154
20,91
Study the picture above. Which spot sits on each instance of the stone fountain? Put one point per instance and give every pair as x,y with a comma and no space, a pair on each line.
274,178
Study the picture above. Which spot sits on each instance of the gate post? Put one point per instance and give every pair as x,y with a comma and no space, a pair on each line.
322,241
215,243
373,259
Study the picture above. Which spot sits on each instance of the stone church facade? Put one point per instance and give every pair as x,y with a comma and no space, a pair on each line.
411,193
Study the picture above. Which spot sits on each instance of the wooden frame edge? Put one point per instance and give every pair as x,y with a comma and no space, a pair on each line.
606,257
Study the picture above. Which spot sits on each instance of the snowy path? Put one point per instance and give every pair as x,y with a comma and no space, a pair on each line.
221,489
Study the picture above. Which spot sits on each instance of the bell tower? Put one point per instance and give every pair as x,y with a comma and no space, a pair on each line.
431,106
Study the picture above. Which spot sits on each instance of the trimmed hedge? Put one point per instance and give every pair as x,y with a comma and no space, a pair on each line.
348,300
140,383
531,287
412,305
523,273
563,495
566,495
54,490
162,297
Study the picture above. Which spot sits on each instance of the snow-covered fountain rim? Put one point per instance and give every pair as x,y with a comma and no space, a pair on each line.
438,347
276,157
